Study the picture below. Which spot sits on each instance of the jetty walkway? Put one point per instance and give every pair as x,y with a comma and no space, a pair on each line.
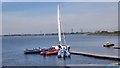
96,55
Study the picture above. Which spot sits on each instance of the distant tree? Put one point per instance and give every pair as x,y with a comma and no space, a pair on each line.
97,31
77,32
104,32
116,31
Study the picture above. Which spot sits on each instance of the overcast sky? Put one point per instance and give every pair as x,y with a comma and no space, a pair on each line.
41,17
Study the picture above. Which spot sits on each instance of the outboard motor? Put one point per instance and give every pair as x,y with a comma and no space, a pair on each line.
63,53
44,52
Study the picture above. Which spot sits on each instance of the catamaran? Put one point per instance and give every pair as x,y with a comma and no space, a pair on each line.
62,46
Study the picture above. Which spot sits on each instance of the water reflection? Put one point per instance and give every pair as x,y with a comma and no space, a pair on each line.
63,61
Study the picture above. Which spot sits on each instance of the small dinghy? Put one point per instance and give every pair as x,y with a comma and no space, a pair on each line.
108,44
32,51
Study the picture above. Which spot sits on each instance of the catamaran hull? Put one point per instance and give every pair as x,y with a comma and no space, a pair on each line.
63,54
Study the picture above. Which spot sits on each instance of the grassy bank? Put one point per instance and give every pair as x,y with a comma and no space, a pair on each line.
105,34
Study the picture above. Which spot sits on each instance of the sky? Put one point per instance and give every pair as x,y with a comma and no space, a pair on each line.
41,17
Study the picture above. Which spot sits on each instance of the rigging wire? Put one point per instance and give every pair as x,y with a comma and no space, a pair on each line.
63,33
61,25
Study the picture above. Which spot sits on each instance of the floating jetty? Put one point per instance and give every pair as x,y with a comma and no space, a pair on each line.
96,55
117,63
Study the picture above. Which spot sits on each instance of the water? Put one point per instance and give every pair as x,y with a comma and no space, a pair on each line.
13,55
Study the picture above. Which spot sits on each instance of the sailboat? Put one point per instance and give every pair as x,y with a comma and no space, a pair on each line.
63,48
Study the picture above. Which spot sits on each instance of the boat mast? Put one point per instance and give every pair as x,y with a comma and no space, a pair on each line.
59,25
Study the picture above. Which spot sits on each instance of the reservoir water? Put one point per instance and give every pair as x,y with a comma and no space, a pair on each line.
13,50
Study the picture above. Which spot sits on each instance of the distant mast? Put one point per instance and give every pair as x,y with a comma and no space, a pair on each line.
59,25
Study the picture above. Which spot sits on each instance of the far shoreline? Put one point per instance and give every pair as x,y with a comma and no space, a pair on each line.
56,34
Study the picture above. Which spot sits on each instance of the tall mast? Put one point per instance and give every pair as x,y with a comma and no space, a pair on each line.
59,25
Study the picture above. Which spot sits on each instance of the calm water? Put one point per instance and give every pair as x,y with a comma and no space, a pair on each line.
13,55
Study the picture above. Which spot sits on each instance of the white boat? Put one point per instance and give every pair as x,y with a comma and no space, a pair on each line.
62,46
108,44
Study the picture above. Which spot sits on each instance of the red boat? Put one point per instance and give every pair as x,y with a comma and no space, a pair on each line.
52,52
49,52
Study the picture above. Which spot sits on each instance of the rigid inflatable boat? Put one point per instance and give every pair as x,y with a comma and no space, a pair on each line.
32,51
